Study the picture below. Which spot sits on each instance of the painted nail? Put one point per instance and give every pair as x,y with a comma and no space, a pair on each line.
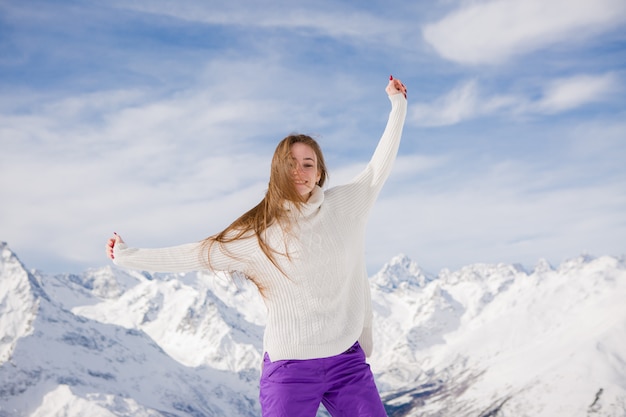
390,77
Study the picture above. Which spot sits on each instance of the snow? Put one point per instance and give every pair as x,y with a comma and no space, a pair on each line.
18,303
539,344
61,402
484,340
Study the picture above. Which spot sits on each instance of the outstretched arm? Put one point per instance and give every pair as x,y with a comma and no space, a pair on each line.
182,258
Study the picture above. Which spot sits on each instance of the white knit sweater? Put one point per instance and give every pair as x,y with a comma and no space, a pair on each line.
323,304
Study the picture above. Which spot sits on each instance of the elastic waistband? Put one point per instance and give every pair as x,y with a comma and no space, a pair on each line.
354,348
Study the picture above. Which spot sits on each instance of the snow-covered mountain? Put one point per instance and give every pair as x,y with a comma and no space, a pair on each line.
484,341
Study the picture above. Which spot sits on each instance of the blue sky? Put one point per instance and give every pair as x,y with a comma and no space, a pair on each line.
157,120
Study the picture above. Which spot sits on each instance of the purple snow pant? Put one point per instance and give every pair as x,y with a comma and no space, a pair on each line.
343,383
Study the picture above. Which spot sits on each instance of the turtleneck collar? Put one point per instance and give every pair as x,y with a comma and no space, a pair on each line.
310,207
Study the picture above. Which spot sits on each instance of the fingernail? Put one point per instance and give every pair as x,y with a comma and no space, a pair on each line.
390,77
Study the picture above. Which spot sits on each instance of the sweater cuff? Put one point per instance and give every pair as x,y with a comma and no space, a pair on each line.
397,98
117,251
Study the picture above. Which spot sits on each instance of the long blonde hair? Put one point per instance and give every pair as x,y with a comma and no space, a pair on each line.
272,209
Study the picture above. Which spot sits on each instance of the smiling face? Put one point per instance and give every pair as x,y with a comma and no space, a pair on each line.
297,166
304,170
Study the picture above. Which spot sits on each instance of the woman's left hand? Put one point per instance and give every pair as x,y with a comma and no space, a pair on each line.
395,87
110,246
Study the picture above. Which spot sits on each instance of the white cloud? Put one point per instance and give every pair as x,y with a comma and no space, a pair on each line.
408,166
464,102
461,103
333,19
569,93
490,32
172,138
467,101
159,167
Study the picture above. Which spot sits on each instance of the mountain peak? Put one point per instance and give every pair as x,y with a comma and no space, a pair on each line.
400,273
19,295
542,267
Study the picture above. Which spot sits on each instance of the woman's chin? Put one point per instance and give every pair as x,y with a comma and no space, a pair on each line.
303,190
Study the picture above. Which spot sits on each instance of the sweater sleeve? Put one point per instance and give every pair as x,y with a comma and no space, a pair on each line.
183,258
381,163
359,195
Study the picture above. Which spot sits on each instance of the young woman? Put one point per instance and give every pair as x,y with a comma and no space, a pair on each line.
303,247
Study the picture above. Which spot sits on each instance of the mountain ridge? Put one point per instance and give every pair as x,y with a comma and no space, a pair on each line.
486,340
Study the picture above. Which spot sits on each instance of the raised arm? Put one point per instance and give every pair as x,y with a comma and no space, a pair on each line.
359,195
385,154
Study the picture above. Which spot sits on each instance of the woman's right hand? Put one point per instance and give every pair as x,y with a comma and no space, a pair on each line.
395,86
110,247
